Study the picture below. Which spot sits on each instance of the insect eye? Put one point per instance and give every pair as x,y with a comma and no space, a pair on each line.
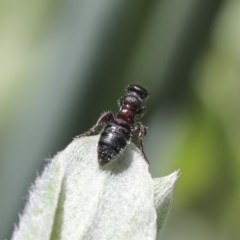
137,89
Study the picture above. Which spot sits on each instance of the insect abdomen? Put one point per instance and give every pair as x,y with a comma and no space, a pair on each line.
113,139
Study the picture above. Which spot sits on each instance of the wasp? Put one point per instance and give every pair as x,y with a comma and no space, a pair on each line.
119,129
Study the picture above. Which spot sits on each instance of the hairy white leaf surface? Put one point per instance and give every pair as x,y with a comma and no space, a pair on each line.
75,198
163,189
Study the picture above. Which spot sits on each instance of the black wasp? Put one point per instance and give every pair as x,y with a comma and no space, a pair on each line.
118,130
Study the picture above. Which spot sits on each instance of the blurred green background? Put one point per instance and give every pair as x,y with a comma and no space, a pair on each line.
62,63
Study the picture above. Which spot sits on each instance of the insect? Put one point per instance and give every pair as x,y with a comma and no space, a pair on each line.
118,130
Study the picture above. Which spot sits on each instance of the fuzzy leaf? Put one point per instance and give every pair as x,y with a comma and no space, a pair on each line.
163,189
75,198
37,219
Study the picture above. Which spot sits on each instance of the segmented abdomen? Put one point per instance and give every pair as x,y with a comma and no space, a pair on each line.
113,139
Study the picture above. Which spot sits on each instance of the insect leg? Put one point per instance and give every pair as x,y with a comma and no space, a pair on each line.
105,118
140,113
141,131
